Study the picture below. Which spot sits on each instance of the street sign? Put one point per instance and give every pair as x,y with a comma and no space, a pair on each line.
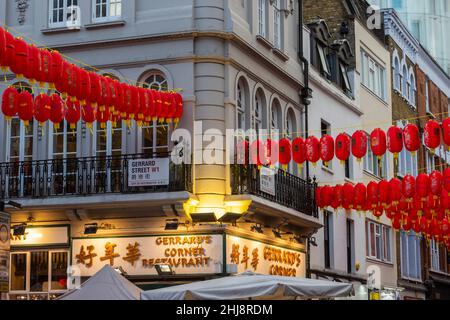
148,172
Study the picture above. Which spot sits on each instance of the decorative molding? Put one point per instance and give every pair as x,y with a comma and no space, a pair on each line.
22,6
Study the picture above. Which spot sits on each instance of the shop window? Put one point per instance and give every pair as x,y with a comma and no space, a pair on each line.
63,13
104,10
378,241
38,275
411,264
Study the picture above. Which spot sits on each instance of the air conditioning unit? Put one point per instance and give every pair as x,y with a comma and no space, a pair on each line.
73,17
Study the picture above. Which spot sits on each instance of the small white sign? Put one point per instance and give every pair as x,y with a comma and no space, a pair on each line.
148,172
267,181
42,236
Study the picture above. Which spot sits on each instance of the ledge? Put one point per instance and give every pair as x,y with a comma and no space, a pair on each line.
106,24
60,30
281,54
264,41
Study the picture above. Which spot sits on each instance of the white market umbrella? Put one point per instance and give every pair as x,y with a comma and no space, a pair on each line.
107,284
251,286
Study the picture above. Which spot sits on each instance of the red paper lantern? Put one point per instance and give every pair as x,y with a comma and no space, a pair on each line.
327,196
411,137
19,67
312,149
299,152
113,93
343,142
416,226
10,103
272,155
166,104
10,51
158,104
179,112
42,108
396,223
409,187
359,145
75,84
258,153
89,114
326,149
422,186
338,196
103,117
105,95
128,100
432,134
63,84
445,227
96,90
3,63
85,86
118,104
395,140
395,186
360,196
73,113
26,107
285,152
58,110
172,108
46,65
33,64
151,108
446,131
378,142
447,180
445,201
349,196
318,197
384,188
436,180
56,68
372,194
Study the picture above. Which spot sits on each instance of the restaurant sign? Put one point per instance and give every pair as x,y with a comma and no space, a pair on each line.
258,257
42,236
148,172
190,254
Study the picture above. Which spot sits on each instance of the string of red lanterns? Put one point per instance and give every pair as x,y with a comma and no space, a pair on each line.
421,203
83,95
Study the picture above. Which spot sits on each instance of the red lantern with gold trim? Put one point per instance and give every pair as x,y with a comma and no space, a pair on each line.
446,181
3,63
85,86
157,101
409,187
326,149
327,196
349,196
272,152
113,93
105,95
432,134
63,84
422,186
172,108
338,197
312,150
378,142
46,65
58,110
372,194
299,152
411,138
10,103
360,196
103,117
395,140
396,222
258,153
42,108
445,201
151,107
396,190
10,51
19,67
318,197
359,145
73,113
436,180
285,152
384,188
55,69
75,84
33,64
26,107
179,112
96,90
343,142
89,114
446,132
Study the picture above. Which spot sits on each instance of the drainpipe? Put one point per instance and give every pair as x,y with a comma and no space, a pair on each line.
305,99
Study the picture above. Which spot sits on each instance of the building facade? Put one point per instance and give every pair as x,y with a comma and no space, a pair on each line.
236,64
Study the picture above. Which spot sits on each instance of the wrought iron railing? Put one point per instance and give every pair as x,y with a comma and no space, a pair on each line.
290,191
82,177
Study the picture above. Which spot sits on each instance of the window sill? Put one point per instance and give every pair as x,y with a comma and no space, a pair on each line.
389,264
442,273
60,30
281,54
264,41
412,279
328,170
105,24
372,175
348,180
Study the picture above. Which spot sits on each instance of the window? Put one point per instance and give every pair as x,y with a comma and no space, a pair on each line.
277,24
430,161
328,237
349,169
275,117
373,75
397,74
258,111
325,129
438,257
412,89
373,165
291,133
241,105
411,263
405,83
344,78
350,246
407,163
262,13
155,136
427,96
378,241
323,60
105,10
415,29
62,12
38,275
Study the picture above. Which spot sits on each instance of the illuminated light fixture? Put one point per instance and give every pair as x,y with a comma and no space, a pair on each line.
230,217
276,233
164,269
172,224
90,228
203,217
19,230
257,228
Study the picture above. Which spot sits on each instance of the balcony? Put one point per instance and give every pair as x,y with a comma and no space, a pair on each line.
289,191
82,177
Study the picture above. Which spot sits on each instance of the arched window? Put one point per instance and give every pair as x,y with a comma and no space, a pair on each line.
155,136
275,116
290,133
258,111
397,74
412,94
241,103
405,82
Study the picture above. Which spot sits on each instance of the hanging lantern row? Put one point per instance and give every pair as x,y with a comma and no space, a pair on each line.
313,150
99,97
421,204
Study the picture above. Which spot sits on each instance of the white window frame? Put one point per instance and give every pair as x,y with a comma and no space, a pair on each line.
27,290
257,114
323,59
108,16
407,163
430,161
412,89
22,137
373,75
435,256
240,106
371,164
59,24
344,72
277,25
262,18
427,96
397,75
411,243
383,242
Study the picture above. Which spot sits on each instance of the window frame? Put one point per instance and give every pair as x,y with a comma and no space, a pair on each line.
406,160
382,242
262,18
373,75
108,17
325,68
277,25
417,241
369,165
51,9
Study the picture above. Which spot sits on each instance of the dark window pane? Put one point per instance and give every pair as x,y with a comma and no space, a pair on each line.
18,272
39,271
